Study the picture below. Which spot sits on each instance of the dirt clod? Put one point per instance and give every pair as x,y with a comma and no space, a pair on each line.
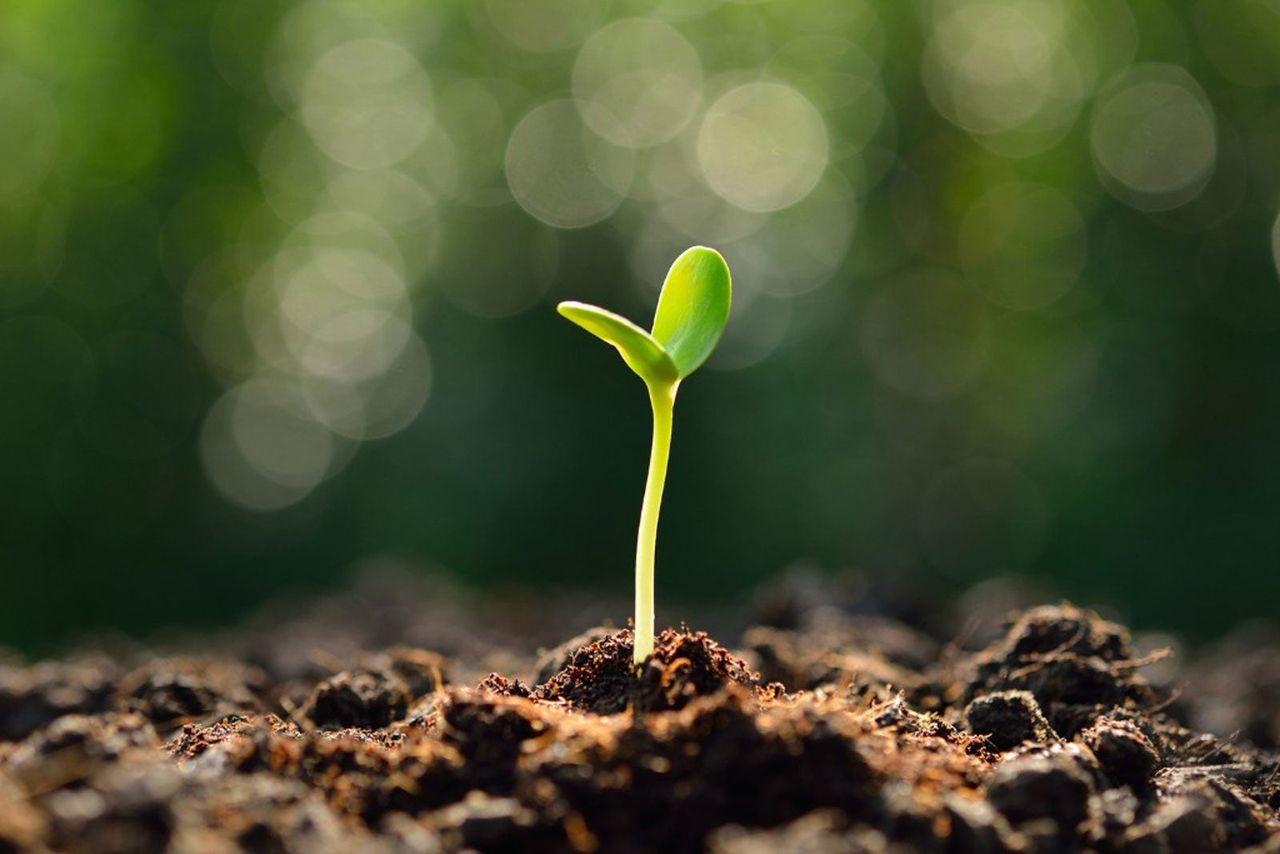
1008,718
358,698
1125,753
1033,788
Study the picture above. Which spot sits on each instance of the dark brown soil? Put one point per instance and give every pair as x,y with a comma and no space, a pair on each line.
824,728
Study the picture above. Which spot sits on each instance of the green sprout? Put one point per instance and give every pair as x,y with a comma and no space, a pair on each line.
692,311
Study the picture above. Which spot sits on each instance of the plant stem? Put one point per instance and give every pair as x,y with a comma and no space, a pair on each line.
662,398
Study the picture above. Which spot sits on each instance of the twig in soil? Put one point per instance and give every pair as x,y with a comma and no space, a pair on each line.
1174,695
1150,658
1072,641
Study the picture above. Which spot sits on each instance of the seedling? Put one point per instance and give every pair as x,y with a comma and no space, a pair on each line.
692,311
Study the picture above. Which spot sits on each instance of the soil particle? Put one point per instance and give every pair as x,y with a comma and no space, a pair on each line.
1208,814
1008,718
422,672
31,697
358,698
1065,629
552,661
376,693
172,691
490,732
1123,750
496,683
1189,822
192,740
1034,788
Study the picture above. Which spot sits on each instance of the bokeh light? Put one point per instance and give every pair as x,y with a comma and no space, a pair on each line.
997,67
262,449
1154,137
637,82
563,173
366,103
762,146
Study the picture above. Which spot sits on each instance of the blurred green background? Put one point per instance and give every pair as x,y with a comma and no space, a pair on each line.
276,289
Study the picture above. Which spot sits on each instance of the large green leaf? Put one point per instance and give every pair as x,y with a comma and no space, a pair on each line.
642,354
693,308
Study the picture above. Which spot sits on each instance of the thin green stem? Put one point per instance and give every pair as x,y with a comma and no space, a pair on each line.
662,398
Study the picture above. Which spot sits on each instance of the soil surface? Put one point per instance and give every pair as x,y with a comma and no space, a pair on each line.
410,717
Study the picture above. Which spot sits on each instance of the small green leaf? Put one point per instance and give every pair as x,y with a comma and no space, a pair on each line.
642,354
693,308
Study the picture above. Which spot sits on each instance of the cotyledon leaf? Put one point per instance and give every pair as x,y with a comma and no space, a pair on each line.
693,308
639,350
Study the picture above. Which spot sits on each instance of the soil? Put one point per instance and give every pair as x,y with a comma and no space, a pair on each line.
411,717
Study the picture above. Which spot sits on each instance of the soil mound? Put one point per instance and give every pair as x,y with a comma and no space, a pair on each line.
601,678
